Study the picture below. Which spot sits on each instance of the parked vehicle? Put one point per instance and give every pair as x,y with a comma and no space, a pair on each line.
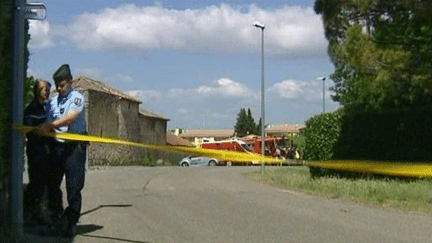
193,160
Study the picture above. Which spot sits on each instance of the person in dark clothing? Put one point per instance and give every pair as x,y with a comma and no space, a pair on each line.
37,151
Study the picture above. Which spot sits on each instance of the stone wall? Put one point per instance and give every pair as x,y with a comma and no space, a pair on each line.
152,130
111,116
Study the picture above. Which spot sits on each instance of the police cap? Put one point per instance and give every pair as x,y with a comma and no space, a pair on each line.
62,73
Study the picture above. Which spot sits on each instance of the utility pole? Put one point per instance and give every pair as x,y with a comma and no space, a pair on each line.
21,12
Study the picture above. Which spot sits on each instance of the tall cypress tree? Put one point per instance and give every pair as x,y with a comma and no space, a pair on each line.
240,127
258,127
245,124
250,123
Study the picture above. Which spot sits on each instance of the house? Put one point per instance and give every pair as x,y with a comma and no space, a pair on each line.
198,136
284,129
113,113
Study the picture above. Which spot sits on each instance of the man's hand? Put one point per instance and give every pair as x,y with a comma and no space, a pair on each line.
44,128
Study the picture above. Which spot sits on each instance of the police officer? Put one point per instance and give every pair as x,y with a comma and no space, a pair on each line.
37,151
65,113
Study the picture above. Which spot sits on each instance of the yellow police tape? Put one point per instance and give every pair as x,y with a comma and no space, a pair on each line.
411,169
220,154
389,168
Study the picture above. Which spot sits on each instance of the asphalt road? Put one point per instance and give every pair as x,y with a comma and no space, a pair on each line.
218,204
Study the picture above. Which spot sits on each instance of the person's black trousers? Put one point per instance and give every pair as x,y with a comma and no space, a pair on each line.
37,160
67,159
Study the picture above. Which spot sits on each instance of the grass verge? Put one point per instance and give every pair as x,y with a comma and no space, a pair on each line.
413,195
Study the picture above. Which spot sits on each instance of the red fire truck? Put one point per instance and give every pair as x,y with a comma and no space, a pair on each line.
251,144
273,145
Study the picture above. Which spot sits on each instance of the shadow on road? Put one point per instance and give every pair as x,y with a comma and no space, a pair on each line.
106,206
40,233
113,238
87,228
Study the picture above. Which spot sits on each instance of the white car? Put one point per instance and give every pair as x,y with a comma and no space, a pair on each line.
198,160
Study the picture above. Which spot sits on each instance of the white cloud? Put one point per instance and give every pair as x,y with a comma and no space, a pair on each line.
146,95
225,87
40,34
120,78
289,30
90,72
222,87
296,90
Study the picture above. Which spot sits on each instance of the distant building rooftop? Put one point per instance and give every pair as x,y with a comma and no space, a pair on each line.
217,133
176,140
285,128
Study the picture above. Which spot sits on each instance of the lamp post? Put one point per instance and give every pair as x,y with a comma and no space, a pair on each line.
323,79
261,26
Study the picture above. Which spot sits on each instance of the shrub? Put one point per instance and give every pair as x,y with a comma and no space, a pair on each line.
322,133
148,160
299,143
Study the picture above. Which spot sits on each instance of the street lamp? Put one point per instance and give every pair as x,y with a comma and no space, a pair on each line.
261,26
323,79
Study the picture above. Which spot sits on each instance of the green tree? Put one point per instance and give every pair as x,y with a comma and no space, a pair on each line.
258,127
6,35
381,51
28,90
250,123
245,124
298,141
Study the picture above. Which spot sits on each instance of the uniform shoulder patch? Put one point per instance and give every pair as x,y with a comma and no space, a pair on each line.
78,101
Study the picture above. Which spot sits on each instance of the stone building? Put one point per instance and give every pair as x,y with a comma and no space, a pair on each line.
113,113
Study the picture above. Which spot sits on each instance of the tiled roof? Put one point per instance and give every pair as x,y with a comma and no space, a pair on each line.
84,83
148,113
217,133
176,140
284,128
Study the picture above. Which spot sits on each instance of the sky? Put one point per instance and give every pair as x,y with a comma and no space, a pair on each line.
196,62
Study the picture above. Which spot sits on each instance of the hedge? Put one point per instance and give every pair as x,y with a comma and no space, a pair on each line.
5,72
396,135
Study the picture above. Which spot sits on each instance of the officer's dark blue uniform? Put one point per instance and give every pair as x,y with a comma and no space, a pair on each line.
68,158
37,151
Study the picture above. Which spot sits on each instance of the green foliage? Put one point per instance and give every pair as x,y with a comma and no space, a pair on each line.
28,90
5,72
6,10
258,128
389,135
148,160
299,143
245,124
5,75
322,133
381,51
250,122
